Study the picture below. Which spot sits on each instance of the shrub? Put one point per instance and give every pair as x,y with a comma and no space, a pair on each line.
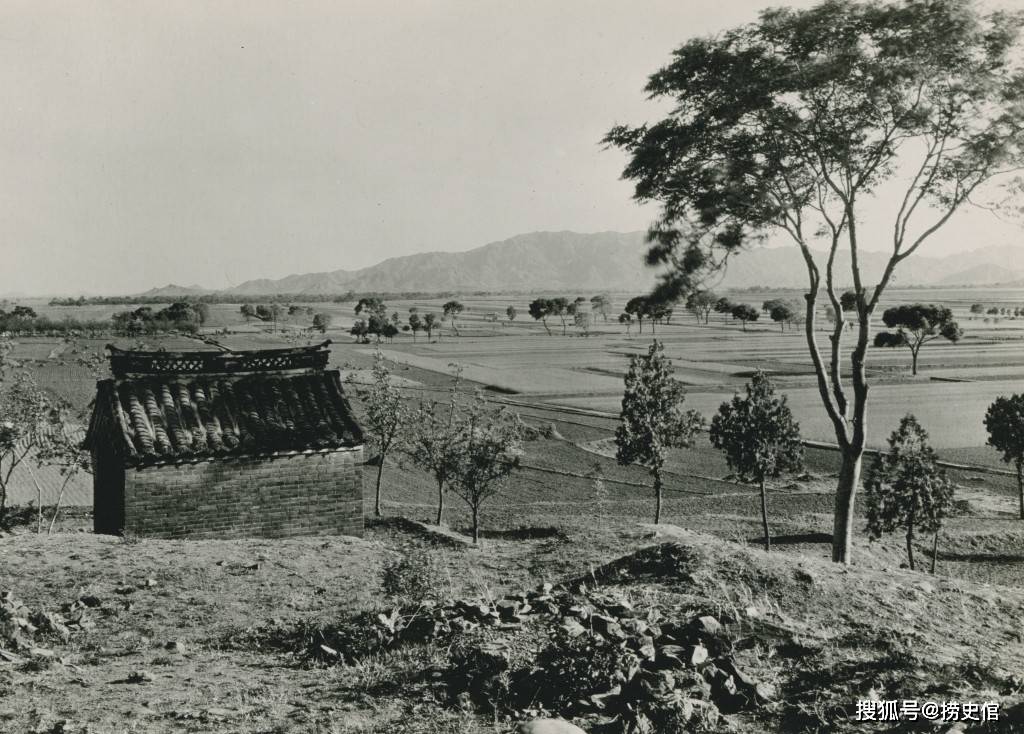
414,579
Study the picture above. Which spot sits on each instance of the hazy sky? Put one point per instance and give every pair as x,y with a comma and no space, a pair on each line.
143,143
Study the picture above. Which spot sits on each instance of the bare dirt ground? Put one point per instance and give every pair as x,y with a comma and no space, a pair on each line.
192,636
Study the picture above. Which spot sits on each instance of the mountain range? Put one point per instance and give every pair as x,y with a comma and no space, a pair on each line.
608,261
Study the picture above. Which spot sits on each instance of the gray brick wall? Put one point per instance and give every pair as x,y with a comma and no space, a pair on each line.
303,494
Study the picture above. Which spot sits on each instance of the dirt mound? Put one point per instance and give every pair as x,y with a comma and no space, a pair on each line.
700,632
841,634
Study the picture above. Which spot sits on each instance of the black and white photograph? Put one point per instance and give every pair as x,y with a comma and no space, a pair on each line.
511,366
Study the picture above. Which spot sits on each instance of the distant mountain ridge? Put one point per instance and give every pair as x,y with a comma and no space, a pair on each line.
177,290
606,261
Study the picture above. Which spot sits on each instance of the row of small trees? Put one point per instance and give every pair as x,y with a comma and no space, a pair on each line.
274,312
375,321
467,446
906,490
577,311
641,308
980,309
757,432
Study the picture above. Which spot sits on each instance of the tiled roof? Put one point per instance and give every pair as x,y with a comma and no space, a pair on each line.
167,416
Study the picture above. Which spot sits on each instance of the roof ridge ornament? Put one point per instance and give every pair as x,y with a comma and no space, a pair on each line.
133,363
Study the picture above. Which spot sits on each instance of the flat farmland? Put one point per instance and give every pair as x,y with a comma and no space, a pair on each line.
955,384
551,378
519,357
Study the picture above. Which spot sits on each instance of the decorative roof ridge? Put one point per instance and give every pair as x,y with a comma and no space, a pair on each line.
125,363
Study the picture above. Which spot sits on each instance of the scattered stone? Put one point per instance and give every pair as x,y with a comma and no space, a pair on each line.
698,655
150,583
709,625
673,652
10,657
548,726
507,608
90,601
634,627
140,676
175,646
646,649
681,667
572,627
765,692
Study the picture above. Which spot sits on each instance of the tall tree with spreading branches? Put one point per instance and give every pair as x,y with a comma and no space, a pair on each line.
652,420
452,309
744,312
782,314
906,490
915,325
639,307
429,324
540,309
1004,421
560,307
386,417
791,124
760,438
415,324
701,303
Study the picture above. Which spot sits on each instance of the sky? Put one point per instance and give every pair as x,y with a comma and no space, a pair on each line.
144,142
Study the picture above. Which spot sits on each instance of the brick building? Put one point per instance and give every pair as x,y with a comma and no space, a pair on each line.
225,444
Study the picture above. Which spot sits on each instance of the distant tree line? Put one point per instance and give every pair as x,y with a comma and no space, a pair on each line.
24,321
231,298
579,311
209,299
180,316
980,309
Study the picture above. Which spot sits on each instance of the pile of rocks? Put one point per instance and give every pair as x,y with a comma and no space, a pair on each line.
654,665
